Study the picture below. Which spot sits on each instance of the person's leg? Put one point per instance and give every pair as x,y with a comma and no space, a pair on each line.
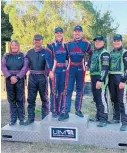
113,94
79,89
42,91
20,100
70,79
11,96
93,83
32,93
69,86
61,85
122,98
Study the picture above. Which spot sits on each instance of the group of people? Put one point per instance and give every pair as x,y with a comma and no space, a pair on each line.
64,64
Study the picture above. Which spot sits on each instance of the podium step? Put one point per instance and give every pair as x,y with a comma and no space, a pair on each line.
75,130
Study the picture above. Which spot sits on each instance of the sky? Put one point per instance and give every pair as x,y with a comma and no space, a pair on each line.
118,12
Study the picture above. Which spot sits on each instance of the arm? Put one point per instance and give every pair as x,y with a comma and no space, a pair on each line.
49,57
90,52
24,69
4,68
105,59
124,78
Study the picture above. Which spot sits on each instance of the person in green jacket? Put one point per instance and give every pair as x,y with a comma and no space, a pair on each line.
99,67
117,79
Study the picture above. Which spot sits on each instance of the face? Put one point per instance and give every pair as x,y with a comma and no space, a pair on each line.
117,43
59,36
77,34
14,47
99,44
37,43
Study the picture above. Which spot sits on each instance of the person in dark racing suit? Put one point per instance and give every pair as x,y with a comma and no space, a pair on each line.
77,49
37,79
56,55
14,68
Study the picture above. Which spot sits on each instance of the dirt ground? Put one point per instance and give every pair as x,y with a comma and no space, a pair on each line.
20,147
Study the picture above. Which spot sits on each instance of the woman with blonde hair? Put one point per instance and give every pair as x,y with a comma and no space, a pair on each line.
14,68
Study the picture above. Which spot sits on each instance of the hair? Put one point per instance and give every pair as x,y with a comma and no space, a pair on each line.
16,41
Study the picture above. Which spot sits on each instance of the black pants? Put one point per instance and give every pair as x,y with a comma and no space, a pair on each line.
100,100
15,95
118,98
37,82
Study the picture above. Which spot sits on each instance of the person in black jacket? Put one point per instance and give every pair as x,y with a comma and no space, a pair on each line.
37,79
14,67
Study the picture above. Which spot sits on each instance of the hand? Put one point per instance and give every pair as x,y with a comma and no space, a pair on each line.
87,68
98,85
51,75
121,85
13,79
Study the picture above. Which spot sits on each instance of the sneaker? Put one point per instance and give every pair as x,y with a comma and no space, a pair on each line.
113,121
63,116
12,122
21,122
28,122
54,114
102,124
123,127
44,115
94,119
79,113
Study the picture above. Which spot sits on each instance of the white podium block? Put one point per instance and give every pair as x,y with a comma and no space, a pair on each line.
75,130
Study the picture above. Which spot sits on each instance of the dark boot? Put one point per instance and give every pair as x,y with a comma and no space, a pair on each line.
102,124
63,116
113,121
28,122
13,121
123,127
79,113
54,114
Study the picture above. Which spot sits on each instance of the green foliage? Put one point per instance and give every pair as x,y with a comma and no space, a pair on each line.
28,18
6,28
125,41
103,24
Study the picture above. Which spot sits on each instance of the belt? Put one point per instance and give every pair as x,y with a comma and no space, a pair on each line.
37,72
76,63
14,71
60,64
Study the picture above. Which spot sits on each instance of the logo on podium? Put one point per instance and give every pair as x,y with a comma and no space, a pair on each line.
63,133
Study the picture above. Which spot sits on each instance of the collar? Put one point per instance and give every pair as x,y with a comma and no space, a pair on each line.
38,50
79,40
118,49
59,42
99,48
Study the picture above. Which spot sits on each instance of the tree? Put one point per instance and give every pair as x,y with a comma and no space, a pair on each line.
6,28
27,21
102,24
125,41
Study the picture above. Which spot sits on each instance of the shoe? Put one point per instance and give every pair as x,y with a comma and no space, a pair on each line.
21,122
43,116
102,124
123,127
28,122
63,116
94,119
12,122
113,121
54,114
79,113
